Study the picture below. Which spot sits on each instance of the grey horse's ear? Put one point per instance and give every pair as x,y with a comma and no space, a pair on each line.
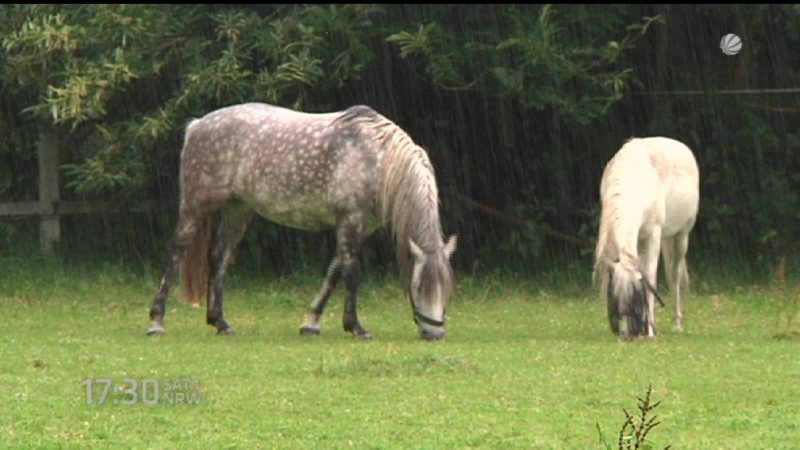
419,255
450,246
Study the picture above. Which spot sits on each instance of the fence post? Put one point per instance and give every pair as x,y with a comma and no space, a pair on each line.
50,226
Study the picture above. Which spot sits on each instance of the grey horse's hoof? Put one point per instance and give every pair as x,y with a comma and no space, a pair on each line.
359,333
308,331
433,336
156,331
226,332
362,336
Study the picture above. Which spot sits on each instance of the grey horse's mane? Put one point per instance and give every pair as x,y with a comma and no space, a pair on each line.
409,197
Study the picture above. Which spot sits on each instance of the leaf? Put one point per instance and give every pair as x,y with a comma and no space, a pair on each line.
411,44
509,78
509,43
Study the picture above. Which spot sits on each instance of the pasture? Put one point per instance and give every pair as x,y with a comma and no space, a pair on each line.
528,363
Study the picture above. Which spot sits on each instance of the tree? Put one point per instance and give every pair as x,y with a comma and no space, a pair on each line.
530,54
124,78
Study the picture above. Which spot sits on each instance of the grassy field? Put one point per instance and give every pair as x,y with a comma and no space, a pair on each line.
527,364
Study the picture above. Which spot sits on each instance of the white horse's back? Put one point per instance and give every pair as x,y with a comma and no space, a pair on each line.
649,195
656,177
681,185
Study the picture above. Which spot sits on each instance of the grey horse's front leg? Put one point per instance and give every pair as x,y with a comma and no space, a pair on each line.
312,325
352,277
349,238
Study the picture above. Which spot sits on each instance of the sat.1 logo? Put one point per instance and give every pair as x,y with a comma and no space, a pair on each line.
730,44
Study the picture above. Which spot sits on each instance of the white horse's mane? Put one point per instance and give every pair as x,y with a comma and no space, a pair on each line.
616,222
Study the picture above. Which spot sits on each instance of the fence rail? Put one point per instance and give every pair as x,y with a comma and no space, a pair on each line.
50,214
774,91
62,207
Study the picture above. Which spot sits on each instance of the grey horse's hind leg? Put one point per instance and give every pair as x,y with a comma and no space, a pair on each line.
230,227
312,325
176,248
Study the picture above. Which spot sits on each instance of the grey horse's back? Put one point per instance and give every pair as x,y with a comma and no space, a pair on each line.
286,165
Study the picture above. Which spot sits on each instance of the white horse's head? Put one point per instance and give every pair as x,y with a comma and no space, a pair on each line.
625,288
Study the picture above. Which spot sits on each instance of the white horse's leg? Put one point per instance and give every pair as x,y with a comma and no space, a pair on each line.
667,256
650,270
681,275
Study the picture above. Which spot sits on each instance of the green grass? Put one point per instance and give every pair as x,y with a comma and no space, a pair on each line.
527,364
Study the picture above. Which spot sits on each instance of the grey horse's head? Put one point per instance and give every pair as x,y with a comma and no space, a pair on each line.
430,284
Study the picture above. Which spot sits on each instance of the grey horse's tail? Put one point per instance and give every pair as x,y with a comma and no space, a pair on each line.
194,267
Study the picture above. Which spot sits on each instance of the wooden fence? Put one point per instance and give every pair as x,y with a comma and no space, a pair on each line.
50,207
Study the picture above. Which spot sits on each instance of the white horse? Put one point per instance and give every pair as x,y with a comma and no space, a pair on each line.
649,195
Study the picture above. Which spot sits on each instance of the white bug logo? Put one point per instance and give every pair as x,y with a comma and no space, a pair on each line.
730,44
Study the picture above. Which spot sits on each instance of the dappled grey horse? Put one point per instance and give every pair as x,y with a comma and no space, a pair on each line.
352,170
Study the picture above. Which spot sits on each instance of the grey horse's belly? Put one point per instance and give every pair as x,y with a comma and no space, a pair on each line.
310,214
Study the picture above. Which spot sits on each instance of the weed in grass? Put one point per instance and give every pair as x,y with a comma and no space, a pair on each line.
633,435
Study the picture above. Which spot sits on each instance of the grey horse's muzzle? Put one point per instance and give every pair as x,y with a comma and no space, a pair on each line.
430,329
432,334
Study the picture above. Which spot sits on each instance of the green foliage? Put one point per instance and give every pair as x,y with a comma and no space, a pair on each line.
94,68
589,228
112,168
414,43
76,59
528,56
498,94
749,200
527,242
